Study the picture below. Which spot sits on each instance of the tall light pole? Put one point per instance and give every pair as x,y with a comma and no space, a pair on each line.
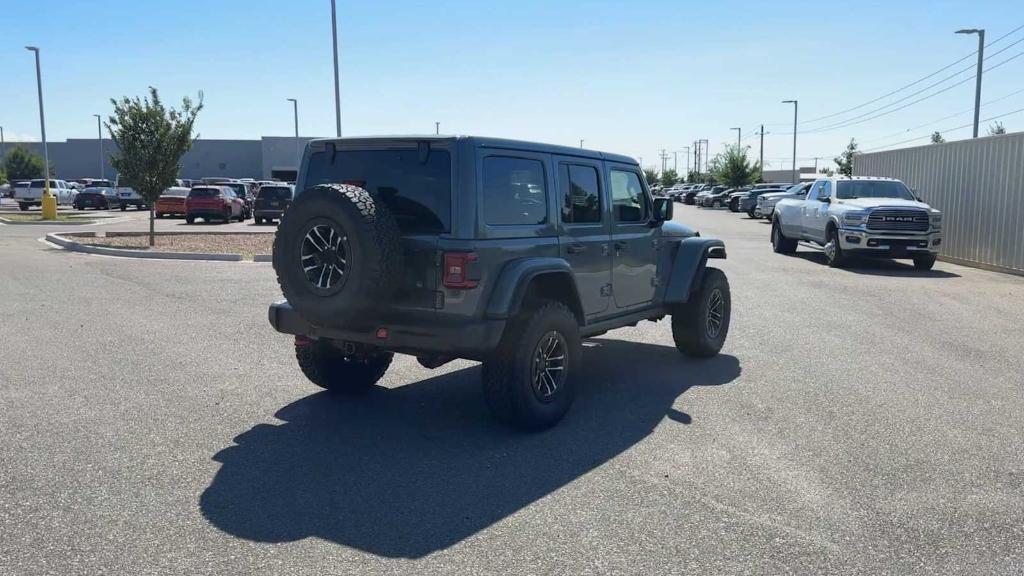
437,127
796,105
99,139
977,77
761,134
298,155
706,153
3,147
49,202
581,142
739,136
337,82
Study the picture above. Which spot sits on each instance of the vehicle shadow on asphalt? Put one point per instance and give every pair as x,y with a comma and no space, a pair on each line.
878,266
405,472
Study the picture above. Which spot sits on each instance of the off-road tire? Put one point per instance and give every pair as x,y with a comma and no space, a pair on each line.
330,369
781,244
508,372
373,268
734,205
924,262
691,325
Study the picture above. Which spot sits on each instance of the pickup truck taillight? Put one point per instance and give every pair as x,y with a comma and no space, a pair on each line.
456,273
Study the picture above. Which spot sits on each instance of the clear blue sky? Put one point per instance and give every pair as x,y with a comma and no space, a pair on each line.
626,76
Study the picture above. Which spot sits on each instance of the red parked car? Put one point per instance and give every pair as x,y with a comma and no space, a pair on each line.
213,203
172,202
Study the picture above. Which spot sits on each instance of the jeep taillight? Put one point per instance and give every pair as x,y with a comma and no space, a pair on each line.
456,272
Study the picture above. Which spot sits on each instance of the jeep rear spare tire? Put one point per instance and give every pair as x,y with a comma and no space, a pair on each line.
337,254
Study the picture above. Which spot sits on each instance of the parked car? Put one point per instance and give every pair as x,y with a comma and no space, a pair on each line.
698,200
461,247
18,188
172,202
746,200
860,216
717,198
213,203
271,202
766,202
84,183
129,197
243,190
98,197
33,194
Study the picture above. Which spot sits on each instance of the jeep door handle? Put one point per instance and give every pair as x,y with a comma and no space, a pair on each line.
576,248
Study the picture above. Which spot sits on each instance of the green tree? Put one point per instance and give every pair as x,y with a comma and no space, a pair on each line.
937,138
152,139
828,171
669,177
22,164
3,176
651,176
845,160
733,168
996,129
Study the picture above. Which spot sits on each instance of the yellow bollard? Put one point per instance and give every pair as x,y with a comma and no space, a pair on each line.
49,203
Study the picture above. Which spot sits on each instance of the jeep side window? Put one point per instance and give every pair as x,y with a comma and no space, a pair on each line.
628,202
582,204
514,192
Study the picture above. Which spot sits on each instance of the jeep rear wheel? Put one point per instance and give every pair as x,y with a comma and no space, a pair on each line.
700,326
337,254
331,369
528,380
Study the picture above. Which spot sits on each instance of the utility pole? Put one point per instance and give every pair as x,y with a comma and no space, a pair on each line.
761,134
796,105
675,161
48,201
437,127
298,155
705,153
581,142
3,147
99,139
739,136
977,77
337,83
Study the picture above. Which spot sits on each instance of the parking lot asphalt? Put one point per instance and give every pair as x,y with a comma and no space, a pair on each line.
866,420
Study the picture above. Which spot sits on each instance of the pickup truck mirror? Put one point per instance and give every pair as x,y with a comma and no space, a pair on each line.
662,209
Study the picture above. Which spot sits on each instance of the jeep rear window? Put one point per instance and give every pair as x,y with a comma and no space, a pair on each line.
514,191
418,192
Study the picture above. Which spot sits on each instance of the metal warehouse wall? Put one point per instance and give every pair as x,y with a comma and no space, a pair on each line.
979,186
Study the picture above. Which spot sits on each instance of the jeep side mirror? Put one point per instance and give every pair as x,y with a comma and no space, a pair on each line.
662,209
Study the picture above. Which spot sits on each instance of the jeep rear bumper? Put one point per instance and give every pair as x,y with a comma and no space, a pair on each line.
471,340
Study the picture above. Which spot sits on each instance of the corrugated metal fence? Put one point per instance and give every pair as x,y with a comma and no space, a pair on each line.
979,186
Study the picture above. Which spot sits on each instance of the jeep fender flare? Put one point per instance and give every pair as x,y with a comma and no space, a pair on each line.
514,279
688,261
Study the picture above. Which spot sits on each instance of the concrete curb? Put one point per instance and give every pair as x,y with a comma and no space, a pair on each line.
263,258
73,246
84,222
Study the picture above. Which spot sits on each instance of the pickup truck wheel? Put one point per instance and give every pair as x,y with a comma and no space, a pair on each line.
190,220
700,326
924,262
23,207
781,244
528,380
833,251
333,370
337,254
123,207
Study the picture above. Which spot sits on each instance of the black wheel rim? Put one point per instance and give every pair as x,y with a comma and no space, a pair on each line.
550,365
325,257
716,313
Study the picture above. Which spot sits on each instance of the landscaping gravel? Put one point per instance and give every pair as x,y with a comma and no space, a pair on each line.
247,245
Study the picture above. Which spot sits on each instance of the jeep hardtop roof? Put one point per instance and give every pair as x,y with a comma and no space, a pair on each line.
482,142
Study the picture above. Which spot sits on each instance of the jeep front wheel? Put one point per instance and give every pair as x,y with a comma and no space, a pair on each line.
332,369
700,326
528,380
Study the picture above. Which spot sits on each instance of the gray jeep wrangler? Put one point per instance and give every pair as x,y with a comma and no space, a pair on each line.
494,250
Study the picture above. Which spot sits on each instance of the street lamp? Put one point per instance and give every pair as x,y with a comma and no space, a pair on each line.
3,147
437,127
739,134
977,76
581,143
796,105
298,156
337,84
99,138
48,201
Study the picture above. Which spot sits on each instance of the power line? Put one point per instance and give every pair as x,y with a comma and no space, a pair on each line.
918,81
936,121
968,125
858,120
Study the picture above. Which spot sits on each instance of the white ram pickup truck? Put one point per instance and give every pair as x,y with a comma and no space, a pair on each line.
33,194
859,216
